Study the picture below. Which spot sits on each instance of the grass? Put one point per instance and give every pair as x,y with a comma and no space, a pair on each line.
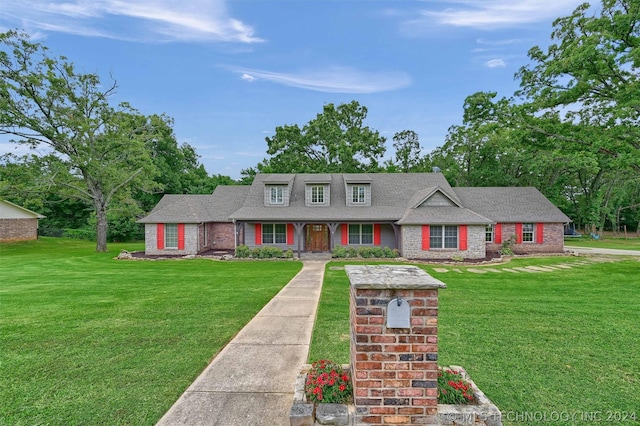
620,243
88,340
564,341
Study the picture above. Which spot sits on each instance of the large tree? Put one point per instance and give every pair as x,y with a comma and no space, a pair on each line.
336,141
584,88
45,102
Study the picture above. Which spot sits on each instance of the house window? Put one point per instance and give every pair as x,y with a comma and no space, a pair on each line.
317,194
274,233
358,194
445,236
276,195
527,232
171,235
488,234
360,234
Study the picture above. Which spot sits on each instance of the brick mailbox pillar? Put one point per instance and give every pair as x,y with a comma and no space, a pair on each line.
394,344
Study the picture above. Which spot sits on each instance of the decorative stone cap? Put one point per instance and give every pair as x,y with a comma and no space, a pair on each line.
394,277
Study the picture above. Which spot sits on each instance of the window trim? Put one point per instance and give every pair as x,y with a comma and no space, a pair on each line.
317,192
272,236
359,234
489,230
358,194
528,229
170,228
441,241
276,194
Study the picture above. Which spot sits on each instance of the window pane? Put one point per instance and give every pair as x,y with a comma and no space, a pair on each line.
367,234
354,234
171,235
527,232
435,236
267,233
281,233
317,194
488,234
451,236
358,194
276,195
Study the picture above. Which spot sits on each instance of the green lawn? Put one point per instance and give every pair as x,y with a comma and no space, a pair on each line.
88,340
565,341
605,242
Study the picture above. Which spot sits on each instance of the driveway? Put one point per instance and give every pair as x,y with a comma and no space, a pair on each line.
590,250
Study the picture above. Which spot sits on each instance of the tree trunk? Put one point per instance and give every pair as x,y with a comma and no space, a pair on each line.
101,226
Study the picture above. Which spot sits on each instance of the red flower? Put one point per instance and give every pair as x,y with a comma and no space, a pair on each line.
342,388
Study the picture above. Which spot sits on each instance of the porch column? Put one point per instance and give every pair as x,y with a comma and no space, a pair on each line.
396,234
299,228
333,227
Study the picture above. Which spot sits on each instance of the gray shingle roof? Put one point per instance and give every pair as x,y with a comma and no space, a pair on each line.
511,204
216,207
397,197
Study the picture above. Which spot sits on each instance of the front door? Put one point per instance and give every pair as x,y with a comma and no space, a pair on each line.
317,237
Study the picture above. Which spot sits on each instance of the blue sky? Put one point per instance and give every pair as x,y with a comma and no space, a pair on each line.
230,72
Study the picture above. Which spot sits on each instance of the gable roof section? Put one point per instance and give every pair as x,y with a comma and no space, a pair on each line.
9,210
216,207
511,204
390,196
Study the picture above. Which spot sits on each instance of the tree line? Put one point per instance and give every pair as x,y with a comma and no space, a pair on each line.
571,130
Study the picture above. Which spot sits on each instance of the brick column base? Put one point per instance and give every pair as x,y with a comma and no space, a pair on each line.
395,370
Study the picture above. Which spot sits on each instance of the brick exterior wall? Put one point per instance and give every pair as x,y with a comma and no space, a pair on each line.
412,244
221,235
18,229
395,370
191,241
553,240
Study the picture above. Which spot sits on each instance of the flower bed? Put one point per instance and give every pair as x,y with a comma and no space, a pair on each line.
478,410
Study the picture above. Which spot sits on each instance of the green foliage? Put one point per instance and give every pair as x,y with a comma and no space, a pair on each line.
329,383
365,252
336,141
453,389
243,252
99,150
507,246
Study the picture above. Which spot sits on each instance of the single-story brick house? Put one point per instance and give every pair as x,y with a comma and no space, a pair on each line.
17,223
419,214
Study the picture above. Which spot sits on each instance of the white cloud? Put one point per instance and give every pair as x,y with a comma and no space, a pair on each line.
487,14
144,20
247,77
496,63
335,79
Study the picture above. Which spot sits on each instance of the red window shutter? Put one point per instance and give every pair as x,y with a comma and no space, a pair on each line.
258,228
463,236
518,233
160,235
497,237
345,234
181,236
290,234
376,234
426,235
540,233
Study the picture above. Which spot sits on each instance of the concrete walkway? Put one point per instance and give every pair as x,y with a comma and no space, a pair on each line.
251,381
593,250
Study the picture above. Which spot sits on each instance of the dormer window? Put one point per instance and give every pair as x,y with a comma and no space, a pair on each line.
317,194
276,195
358,194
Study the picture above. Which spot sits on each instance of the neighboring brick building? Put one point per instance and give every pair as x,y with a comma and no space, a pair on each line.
419,214
17,223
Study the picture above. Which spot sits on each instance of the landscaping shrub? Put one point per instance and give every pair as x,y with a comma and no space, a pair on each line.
243,251
328,382
339,252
